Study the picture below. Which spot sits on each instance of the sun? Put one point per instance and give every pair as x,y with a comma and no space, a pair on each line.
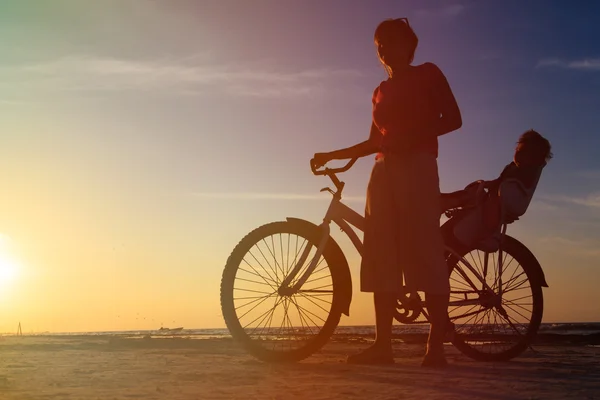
9,269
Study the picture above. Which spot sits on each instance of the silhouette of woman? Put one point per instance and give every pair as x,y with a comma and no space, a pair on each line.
402,239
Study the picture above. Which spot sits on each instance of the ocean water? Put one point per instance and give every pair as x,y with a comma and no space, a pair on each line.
572,329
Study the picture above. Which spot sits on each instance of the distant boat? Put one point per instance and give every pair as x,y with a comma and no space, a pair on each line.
170,329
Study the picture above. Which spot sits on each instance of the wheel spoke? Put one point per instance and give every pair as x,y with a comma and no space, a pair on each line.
320,287
272,252
246,313
282,262
258,283
306,316
313,302
520,298
266,261
316,297
465,286
505,267
510,323
300,316
287,256
265,314
251,291
311,313
274,280
270,320
515,311
257,274
465,314
518,285
521,305
512,279
317,279
253,301
250,297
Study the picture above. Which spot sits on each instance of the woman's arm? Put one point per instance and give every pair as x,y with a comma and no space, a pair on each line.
366,148
449,114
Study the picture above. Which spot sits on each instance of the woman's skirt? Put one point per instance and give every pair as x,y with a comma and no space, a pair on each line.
403,245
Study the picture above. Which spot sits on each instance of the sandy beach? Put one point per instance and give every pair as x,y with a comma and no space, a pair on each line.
104,367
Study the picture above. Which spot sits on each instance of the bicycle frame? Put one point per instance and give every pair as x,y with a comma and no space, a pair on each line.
344,216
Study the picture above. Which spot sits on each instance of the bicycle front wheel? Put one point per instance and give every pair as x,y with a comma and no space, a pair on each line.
489,327
272,326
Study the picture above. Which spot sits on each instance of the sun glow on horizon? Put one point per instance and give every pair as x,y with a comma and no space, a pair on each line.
9,265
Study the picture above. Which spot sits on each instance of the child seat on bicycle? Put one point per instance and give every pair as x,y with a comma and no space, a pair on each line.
490,205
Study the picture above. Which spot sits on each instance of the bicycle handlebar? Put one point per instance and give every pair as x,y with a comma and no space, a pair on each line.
329,171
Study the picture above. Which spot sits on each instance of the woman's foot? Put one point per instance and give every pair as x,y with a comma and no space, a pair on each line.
434,360
372,355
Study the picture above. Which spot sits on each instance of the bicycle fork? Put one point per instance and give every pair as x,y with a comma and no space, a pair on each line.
285,289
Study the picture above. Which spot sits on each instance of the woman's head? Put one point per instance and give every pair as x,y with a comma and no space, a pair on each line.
532,149
396,43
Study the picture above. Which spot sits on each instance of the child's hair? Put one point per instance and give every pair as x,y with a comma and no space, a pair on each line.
538,145
389,36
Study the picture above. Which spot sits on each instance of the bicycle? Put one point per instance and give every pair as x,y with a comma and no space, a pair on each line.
298,272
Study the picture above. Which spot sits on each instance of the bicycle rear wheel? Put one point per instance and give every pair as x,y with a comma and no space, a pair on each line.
271,326
492,328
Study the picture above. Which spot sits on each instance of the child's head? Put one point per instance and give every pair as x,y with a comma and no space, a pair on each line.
532,149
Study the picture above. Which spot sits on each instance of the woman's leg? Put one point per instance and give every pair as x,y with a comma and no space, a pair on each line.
437,307
385,304
381,351
379,271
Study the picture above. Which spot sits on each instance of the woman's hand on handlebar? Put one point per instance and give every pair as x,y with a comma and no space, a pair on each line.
369,146
320,159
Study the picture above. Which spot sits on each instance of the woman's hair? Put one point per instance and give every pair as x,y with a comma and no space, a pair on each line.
539,145
391,36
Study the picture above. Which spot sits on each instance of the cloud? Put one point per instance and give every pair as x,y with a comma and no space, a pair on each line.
592,200
542,205
271,196
586,64
187,76
592,64
446,12
550,62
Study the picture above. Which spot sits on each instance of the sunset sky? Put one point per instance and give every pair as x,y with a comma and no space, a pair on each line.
140,140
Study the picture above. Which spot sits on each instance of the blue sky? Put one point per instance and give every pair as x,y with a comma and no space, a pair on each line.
140,140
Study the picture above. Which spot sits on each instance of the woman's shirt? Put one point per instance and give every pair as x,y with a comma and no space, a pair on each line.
404,106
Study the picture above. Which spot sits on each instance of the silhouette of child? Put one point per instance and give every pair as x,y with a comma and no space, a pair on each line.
532,153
